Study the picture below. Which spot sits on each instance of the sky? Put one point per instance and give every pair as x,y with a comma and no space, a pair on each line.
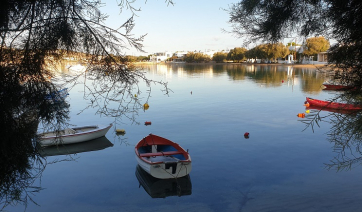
188,25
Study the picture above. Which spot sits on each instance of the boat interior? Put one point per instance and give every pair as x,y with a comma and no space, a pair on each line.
160,150
69,131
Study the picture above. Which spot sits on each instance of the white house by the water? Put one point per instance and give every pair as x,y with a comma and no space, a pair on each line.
160,56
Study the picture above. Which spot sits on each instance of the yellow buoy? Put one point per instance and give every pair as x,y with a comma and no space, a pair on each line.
307,111
135,95
120,131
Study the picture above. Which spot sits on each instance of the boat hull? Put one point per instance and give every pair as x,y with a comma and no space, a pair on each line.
332,105
166,170
77,137
162,158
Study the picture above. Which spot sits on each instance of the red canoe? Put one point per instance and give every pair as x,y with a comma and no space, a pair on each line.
330,86
332,105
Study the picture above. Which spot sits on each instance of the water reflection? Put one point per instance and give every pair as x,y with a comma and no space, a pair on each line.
309,78
162,188
346,137
88,146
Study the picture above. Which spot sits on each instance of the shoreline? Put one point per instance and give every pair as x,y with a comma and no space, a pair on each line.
259,64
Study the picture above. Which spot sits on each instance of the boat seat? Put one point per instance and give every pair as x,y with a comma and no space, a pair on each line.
69,131
151,154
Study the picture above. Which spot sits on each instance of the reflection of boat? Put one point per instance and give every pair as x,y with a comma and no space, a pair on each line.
161,188
73,135
330,110
92,145
332,105
162,158
335,86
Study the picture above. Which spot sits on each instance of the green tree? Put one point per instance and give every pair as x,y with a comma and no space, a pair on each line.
196,57
237,54
315,45
219,57
257,52
277,50
143,58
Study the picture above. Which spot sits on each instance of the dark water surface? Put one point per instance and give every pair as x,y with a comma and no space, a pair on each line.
279,168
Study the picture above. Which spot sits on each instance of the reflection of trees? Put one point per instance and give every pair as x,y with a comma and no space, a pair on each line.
312,81
23,104
346,135
270,75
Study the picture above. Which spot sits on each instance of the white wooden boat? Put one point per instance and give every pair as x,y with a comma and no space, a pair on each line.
162,158
162,188
73,135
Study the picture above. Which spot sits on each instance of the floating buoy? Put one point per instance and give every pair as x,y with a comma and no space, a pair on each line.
301,115
135,95
148,123
282,81
120,131
246,135
307,111
307,104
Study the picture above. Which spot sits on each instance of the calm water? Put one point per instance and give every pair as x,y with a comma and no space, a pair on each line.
279,168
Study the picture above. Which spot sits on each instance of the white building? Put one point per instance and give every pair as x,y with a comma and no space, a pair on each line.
160,57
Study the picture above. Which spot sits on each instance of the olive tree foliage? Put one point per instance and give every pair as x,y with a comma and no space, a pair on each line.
315,45
275,20
276,50
196,57
219,57
237,54
270,51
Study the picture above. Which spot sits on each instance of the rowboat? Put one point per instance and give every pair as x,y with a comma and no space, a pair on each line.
72,135
68,149
332,105
162,188
335,86
162,158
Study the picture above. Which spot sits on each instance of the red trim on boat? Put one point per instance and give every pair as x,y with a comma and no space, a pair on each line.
158,140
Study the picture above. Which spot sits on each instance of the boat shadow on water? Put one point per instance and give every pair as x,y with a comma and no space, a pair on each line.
67,149
162,188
